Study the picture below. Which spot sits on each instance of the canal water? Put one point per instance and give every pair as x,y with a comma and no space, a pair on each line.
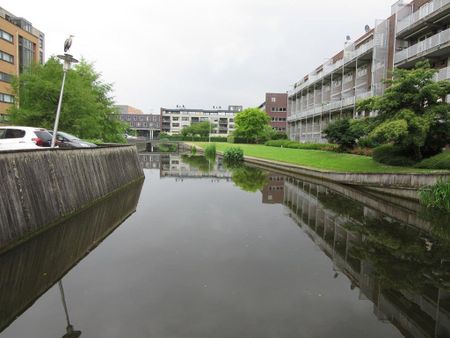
199,250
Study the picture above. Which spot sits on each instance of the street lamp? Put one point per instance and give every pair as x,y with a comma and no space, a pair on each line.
70,332
68,60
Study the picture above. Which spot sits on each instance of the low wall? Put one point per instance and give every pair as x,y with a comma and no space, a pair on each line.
405,185
40,187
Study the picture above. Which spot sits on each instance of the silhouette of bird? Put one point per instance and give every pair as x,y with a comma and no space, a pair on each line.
68,43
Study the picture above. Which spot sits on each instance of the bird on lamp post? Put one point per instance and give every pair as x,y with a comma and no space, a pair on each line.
68,43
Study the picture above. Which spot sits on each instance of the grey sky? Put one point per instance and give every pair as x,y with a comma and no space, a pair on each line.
200,53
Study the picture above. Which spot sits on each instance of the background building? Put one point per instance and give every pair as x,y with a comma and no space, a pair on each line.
174,120
275,106
20,46
145,125
416,30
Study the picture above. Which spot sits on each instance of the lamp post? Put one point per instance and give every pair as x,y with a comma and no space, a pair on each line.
70,332
68,60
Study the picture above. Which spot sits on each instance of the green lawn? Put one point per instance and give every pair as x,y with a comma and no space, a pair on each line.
323,160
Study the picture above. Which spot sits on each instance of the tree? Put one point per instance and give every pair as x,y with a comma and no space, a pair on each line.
344,132
252,124
87,108
199,128
413,113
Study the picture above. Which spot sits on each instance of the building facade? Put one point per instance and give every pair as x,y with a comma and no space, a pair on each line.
145,125
125,109
21,45
275,106
415,31
174,120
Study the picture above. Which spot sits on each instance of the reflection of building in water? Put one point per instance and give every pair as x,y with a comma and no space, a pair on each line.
150,161
273,192
174,166
424,313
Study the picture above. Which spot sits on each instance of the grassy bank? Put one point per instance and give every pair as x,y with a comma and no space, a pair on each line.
316,159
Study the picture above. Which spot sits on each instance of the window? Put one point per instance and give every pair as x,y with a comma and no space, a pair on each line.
6,98
176,125
273,99
175,118
6,57
6,36
26,53
5,77
185,119
14,133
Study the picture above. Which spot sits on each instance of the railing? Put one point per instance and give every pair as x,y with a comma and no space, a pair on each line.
423,46
424,11
443,74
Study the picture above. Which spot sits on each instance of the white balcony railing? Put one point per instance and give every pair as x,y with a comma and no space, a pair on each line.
423,46
443,74
423,12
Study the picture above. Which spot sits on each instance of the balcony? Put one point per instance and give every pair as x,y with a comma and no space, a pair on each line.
424,12
443,74
423,47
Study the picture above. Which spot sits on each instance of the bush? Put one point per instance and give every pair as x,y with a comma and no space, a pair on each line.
437,196
297,145
392,155
194,150
362,151
233,155
210,150
192,138
279,136
440,161
345,132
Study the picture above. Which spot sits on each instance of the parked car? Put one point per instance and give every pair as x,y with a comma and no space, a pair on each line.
65,140
12,137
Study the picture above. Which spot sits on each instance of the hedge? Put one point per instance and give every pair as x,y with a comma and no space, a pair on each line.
297,145
392,155
439,161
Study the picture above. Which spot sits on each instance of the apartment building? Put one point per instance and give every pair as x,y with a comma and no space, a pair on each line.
21,45
173,120
416,30
125,109
145,125
275,106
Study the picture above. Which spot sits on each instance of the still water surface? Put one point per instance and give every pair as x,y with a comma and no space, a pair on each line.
212,252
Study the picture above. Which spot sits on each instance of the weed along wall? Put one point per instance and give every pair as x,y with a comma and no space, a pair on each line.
42,186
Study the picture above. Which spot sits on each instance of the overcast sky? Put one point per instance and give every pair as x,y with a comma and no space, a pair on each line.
200,53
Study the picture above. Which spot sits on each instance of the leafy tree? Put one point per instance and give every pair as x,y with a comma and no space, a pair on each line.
87,108
344,132
200,129
412,113
252,124
249,178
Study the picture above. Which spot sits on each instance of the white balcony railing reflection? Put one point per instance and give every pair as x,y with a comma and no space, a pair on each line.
423,12
423,46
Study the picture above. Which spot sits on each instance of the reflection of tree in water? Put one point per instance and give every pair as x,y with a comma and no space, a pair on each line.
341,205
202,163
404,258
248,178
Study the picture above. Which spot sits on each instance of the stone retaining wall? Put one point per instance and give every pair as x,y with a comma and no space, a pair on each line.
41,186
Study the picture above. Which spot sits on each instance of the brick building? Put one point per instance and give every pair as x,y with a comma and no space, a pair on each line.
275,106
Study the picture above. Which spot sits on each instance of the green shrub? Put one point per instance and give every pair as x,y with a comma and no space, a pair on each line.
210,150
279,136
233,155
297,145
392,155
194,150
437,196
345,132
440,161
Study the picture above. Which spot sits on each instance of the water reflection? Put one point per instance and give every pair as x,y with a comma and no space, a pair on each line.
29,270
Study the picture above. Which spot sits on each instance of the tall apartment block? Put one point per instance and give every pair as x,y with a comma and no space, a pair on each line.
275,106
174,120
415,31
20,46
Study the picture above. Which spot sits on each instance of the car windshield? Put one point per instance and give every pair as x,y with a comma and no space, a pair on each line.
67,136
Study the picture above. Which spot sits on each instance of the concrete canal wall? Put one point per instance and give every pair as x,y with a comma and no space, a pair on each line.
39,187
405,185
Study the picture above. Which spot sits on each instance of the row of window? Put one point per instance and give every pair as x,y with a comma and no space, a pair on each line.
154,118
278,119
6,57
6,98
6,36
278,109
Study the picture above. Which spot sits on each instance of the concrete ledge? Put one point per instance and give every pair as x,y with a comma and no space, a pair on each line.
40,187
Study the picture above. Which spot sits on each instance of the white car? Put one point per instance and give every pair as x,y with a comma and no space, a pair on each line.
12,138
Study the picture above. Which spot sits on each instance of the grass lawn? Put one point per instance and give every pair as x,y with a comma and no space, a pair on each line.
316,159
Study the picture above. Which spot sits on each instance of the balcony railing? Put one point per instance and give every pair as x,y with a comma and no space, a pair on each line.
443,74
423,12
423,46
